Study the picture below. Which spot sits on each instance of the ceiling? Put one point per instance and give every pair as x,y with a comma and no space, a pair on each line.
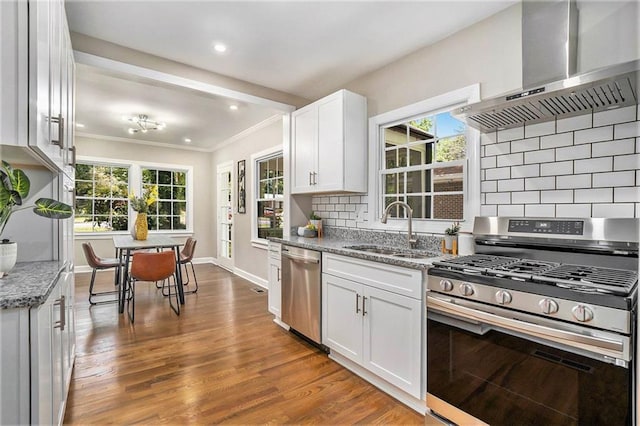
305,48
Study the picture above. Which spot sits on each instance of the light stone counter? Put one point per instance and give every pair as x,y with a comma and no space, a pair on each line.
28,284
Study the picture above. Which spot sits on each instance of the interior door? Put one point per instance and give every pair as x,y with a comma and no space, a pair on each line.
225,215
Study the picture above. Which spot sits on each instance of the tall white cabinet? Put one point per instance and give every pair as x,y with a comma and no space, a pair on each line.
329,145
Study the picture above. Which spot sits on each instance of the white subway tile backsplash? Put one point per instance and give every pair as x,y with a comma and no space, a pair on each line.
341,222
329,207
597,134
600,195
339,207
613,210
344,215
498,198
540,210
613,179
499,173
574,123
533,184
350,207
354,199
573,152
539,129
334,200
344,200
573,210
554,141
510,159
544,156
488,162
638,178
489,186
525,197
618,147
558,196
532,170
530,144
629,194
602,164
511,185
573,181
614,116
488,138
556,169
334,215
511,210
329,222
497,149
627,130
511,134
350,223
489,210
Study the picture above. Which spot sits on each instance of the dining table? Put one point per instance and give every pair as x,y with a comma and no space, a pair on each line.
125,244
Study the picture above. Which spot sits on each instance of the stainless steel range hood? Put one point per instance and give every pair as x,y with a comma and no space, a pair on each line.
549,35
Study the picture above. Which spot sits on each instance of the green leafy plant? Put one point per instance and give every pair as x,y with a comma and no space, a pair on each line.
314,216
15,188
453,229
142,204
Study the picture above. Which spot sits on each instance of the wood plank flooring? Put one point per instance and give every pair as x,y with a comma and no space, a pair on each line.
223,360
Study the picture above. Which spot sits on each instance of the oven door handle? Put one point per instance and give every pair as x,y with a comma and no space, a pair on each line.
600,345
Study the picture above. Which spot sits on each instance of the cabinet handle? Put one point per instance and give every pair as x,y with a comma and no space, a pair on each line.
278,274
62,322
310,181
315,178
357,303
364,309
60,120
73,157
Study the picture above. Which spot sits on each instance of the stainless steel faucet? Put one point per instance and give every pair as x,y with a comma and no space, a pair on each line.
412,241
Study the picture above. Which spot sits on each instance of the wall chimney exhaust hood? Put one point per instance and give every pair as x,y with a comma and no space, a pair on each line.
552,89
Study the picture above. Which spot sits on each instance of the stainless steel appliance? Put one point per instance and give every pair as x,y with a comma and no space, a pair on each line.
538,327
301,290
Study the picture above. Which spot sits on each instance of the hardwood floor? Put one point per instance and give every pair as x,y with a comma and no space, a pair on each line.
223,360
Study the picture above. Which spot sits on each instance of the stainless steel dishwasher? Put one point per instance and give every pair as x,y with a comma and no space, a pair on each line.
301,291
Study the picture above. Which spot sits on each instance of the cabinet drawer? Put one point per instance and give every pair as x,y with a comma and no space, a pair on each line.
396,279
274,251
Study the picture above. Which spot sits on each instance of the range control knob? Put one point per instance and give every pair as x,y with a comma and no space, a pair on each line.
548,306
466,289
503,297
582,313
446,285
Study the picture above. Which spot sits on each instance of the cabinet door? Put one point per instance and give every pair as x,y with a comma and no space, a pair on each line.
275,290
392,338
342,316
303,147
330,157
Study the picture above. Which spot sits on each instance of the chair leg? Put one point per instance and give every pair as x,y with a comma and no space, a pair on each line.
131,300
101,293
195,279
175,308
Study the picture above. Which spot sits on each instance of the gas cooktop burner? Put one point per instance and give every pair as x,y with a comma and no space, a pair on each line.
590,278
476,262
524,268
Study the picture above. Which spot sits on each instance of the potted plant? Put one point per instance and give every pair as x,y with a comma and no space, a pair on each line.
316,221
451,234
140,229
14,188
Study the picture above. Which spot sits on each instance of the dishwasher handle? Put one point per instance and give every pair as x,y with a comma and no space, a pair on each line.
301,259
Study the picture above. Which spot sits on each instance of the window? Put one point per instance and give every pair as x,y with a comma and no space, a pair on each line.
170,211
424,162
101,198
422,155
269,194
103,188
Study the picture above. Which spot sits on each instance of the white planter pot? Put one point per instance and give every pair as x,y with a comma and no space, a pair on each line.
8,255
448,241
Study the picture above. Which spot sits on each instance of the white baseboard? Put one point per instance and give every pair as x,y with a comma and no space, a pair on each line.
253,278
86,268
409,400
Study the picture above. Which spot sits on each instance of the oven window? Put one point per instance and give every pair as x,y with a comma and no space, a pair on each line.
506,380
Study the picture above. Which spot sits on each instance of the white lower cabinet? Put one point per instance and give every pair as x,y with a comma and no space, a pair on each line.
377,329
275,276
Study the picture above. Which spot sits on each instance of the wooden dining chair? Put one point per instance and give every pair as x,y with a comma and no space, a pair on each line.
186,257
98,263
149,266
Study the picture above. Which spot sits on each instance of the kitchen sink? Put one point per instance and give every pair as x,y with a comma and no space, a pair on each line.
390,251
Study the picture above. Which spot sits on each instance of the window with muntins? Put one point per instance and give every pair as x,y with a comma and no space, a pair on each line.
423,165
170,211
270,196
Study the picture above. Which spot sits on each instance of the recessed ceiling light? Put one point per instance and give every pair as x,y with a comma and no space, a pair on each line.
79,125
187,140
233,107
219,47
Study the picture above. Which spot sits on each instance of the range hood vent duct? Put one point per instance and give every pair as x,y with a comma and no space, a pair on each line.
549,49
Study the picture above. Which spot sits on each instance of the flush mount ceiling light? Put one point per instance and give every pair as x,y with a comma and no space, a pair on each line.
219,47
143,124
187,140
233,107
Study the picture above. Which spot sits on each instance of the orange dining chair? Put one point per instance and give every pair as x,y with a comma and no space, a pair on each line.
149,266
186,256
100,263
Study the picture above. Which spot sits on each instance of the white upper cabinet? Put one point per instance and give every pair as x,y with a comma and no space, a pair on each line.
329,145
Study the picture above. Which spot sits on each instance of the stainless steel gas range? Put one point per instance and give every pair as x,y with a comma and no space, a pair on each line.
538,327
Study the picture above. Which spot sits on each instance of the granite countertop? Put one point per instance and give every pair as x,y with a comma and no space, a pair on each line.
28,284
337,246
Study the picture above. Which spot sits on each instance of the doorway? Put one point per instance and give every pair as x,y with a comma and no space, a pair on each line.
224,214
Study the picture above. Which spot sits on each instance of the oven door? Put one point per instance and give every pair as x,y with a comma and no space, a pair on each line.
501,367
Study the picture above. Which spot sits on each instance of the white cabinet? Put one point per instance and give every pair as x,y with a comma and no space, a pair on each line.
378,329
275,276
329,145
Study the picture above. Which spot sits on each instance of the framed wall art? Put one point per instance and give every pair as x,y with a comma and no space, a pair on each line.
242,193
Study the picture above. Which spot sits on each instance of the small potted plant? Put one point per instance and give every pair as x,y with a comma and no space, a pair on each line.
14,188
451,234
316,221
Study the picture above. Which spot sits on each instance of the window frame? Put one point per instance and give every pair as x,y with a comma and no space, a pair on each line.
135,184
471,166
266,154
